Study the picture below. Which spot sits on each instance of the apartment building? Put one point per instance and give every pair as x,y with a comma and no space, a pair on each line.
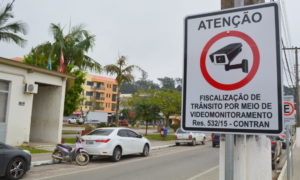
100,94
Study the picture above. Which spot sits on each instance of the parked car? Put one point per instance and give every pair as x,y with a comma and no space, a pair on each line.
123,123
276,149
79,120
215,139
95,122
15,162
72,120
115,142
191,138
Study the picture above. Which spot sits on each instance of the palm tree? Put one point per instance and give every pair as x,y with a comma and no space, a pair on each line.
123,74
73,45
8,31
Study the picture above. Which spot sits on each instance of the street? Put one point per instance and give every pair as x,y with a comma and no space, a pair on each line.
177,163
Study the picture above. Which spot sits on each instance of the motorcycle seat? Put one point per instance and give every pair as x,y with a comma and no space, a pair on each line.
66,147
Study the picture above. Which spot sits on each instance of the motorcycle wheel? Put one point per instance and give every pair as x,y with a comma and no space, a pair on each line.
56,160
82,158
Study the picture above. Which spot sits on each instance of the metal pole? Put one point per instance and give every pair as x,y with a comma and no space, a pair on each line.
297,90
238,3
288,154
229,144
229,157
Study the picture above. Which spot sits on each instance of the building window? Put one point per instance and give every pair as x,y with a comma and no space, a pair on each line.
114,97
113,107
88,103
89,93
4,85
115,87
89,83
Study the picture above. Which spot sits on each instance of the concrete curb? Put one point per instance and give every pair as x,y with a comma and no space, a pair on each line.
48,162
283,170
39,163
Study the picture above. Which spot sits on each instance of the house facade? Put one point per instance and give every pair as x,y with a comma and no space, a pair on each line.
31,103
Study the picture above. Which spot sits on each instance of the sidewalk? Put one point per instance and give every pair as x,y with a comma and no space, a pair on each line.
295,166
45,158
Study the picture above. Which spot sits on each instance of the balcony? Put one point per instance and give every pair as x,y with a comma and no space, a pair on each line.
98,87
97,98
98,108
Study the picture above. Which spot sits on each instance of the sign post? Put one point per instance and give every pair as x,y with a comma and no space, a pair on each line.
289,120
232,83
232,71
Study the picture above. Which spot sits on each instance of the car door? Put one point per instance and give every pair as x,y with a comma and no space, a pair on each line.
136,143
124,141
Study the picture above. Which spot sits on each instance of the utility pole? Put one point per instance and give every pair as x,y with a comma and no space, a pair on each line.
297,84
244,157
296,94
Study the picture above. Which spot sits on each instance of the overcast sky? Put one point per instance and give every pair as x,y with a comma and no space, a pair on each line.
148,32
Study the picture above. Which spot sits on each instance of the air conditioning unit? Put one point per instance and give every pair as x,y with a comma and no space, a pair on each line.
31,88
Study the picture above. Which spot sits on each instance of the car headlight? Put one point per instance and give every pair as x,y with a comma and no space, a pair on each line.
26,151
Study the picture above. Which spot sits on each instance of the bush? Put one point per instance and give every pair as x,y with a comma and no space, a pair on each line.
101,125
89,127
112,125
174,126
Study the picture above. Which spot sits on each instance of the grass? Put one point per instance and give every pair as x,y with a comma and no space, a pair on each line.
69,140
71,133
33,150
158,137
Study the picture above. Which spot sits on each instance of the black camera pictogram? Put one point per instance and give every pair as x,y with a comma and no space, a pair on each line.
226,55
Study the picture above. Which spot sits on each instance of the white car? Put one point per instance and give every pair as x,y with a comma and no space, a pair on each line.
191,138
72,120
115,142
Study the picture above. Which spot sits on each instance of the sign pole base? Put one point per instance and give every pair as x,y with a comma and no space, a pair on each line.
252,158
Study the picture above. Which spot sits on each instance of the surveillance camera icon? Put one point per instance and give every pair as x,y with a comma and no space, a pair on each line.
226,55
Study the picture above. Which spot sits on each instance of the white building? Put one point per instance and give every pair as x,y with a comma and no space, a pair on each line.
31,103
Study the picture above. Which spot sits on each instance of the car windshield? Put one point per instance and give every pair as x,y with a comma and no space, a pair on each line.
101,132
180,131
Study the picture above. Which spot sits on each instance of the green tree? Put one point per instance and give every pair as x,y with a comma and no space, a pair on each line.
74,45
169,103
123,73
167,82
9,31
73,97
144,106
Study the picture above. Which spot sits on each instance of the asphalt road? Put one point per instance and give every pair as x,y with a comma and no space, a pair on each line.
176,163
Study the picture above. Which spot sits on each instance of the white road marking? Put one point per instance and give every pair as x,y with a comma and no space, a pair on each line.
203,173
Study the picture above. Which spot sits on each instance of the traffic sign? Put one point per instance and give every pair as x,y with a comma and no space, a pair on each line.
232,71
289,110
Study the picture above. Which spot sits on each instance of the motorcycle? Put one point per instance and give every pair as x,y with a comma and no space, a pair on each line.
69,154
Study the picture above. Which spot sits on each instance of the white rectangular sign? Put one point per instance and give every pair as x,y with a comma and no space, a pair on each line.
289,110
232,71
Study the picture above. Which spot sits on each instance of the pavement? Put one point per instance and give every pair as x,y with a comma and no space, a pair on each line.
295,166
45,158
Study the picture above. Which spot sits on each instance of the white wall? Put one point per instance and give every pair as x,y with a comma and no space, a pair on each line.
46,115
18,118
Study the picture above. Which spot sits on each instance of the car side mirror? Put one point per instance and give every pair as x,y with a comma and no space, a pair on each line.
139,136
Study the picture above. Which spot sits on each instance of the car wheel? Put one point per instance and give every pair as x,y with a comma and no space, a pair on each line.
193,142
117,154
16,169
203,142
177,144
146,150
